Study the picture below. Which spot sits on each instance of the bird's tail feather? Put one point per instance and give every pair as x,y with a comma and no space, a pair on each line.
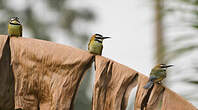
148,85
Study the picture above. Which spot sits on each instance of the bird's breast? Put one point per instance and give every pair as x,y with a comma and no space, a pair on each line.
95,47
14,29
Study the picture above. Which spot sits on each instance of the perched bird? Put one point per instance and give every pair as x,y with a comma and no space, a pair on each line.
95,44
14,27
157,74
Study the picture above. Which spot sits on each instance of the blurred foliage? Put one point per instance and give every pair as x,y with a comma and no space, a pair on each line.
180,51
187,12
42,18
193,82
182,15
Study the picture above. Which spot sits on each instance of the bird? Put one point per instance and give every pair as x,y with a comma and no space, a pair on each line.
157,74
95,45
14,27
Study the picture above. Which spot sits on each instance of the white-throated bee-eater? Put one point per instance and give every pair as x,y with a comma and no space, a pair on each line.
95,45
157,74
14,27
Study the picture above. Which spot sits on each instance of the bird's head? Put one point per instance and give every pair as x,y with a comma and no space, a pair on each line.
99,37
14,20
162,66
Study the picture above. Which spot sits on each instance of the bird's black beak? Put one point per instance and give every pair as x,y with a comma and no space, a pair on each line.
104,37
167,66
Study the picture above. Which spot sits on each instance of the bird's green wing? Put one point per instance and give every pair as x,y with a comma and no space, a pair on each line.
158,75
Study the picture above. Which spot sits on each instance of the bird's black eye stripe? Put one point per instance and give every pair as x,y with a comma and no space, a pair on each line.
98,40
99,35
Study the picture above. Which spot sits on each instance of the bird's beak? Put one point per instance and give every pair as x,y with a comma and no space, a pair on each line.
104,37
167,66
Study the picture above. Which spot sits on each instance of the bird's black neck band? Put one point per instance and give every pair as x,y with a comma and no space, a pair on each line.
14,24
